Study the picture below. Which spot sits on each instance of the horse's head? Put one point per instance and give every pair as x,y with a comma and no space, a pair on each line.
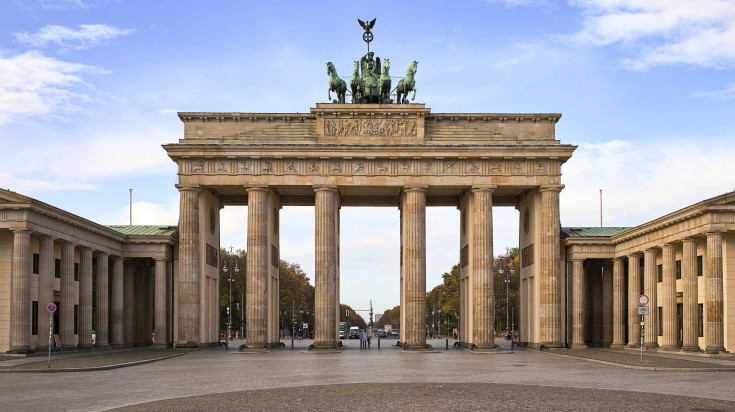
356,67
330,68
386,65
412,67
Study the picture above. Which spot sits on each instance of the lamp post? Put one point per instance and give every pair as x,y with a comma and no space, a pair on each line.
512,271
229,302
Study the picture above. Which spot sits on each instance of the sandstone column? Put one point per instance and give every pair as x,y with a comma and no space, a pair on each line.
690,296
45,290
650,276
85,298
129,296
550,296
189,270
161,303
714,327
413,233
668,300
66,315
634,291
618,303
325,290
20,320
102,314
482,267
607,305
579,326
257,268
117,339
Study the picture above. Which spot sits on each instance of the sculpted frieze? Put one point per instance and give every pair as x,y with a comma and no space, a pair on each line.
370,127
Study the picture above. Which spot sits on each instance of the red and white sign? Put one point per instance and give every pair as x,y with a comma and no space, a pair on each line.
643,300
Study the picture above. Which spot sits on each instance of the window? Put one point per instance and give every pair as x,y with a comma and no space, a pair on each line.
34,317
700,266
36,259
660,270
76,271
700,320
678,269
57,268
660,325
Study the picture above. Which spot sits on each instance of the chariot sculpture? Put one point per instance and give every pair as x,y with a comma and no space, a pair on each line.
371,81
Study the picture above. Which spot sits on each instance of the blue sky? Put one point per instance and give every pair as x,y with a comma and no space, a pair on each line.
89,90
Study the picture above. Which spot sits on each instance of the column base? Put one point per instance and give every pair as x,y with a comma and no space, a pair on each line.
487,347
21,350
711,350
634,345
692,348
68,348
649,346
85,346
102,346
552,345
670,348
186,345
620,345
117,345
578,346
162,345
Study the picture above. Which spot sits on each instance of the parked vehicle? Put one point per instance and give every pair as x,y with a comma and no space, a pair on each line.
343,330
354,332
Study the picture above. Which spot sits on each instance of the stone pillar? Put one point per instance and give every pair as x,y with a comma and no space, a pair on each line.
189,270
129,295
325,289
85,298
66,315
618,303
482,267
413,234
690,296
116,303
102,314
714,327
550,296
650,279
607,305
634,291
257,268
20,319
46,269
579,326
161,303
668,300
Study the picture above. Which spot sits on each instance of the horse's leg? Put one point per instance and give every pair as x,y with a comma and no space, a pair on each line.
329,94
414,94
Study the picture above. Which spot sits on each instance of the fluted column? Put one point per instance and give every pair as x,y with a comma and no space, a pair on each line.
325,289
618,303
102,313
550,299
650,279
634,291
669,340
116,303
161,303
714,327
20,323
85,298
189,270
129,296
257,268
413,233
482,267
45,290
690,296
66,315
607,305
579,327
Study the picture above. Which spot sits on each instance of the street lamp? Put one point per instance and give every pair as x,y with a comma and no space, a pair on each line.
229,302
512,271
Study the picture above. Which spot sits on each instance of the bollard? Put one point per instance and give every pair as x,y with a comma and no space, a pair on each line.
447,343
378,343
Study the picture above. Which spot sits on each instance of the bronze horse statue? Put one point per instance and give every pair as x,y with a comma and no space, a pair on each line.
356,83
407,84
336,84
384,84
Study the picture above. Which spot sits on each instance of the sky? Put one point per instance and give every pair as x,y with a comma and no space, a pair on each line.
89,91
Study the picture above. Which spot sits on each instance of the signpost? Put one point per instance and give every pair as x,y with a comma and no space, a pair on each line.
51,307
642,310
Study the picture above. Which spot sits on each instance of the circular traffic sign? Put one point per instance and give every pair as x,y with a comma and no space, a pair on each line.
51,307
643,300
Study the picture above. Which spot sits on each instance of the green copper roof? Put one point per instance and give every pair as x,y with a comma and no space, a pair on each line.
145,230
567,232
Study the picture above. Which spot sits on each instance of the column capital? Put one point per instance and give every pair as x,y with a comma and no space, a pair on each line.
635,255
667,246
484,188
188,188
551,188
324,188
576,259
617,259
415,188
257,188
158,259
20,230
100,253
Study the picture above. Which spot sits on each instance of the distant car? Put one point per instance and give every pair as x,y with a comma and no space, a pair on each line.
382,334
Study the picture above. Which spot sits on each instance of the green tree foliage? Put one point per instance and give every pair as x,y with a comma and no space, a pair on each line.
507,267
442,304
390,317
347,314
296,297
234,276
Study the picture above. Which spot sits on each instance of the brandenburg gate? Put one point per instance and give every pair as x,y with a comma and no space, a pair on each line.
370,154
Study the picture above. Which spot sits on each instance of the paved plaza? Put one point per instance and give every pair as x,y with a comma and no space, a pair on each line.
374,379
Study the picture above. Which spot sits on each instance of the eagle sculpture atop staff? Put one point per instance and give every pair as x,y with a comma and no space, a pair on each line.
368,35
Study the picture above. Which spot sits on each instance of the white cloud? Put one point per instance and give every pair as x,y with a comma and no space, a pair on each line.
63,4
662,32
88,35
144,213
726,93
32,84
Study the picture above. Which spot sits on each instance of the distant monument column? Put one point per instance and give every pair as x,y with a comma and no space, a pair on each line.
618,303
85,298
482,267
66,315
117,320
668,300
257,268
189,270
550,299
690,296
714,328
650,276
161,302
413,241
579,326
102,314
326,276
21,297
46,269
634,290
130,304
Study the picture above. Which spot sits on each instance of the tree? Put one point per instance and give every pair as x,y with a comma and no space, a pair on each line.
442,304
296,297
391,317
234,276
347,314
509,264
